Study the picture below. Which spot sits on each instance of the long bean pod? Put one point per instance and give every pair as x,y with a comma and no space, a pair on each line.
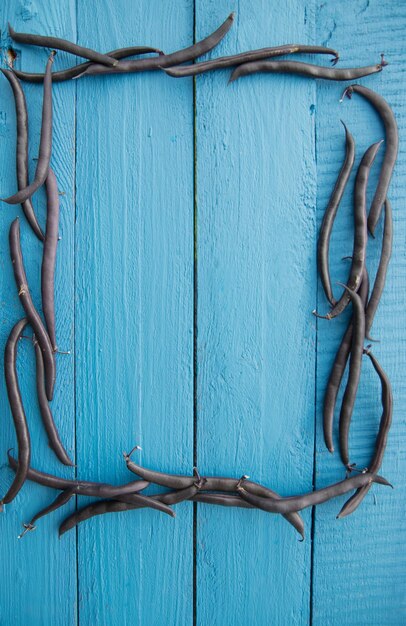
54,440
22,150
166,60
360,231
304,69
17,411
357,347
131,501
381,440
49,256
246,57
112,506
379,283
72,72
337,371
323,243
60,500
29,308
62,44
45,145
179,481
391,152
298,503
81,487
176,481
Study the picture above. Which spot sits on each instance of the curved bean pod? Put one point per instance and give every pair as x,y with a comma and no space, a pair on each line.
381,440
29,308
166,60
45,145
245,57
304,69
360,231
17,411
111,506
91,510
181,495
298,503
323,243
22,150
61,44
392,142
357,347
338,369
386,253
61,499
81,487
49,256
176,481
74,71
47,418
131,501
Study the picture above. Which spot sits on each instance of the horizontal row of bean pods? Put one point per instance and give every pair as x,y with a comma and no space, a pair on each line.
222,491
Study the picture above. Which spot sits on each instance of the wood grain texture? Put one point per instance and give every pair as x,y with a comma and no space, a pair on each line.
38,573
365,550
134,312
256,197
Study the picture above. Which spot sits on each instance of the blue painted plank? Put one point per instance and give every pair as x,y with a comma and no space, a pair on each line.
134,311
256,197
365,550
38,573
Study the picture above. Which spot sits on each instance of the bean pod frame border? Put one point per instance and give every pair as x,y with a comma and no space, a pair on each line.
221,491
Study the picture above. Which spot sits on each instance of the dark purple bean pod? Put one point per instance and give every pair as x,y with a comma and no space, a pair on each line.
391,152
112,506
246,57
360,231
81,487
131,501
357,347
304,69
22,150
166,60
146,502
298,503
60,500
45,145
74,71
17,411
222,499
176,481
323,243
338,369
61,44
381,440
379,284
91,510
29,308
181,495
49,256
47,418
179,481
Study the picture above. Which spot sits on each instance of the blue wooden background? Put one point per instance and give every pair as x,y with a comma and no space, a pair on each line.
185,283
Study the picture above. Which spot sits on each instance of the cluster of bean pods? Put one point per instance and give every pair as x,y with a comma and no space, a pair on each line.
231,492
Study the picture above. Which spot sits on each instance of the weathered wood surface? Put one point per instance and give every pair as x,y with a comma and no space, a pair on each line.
188,231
